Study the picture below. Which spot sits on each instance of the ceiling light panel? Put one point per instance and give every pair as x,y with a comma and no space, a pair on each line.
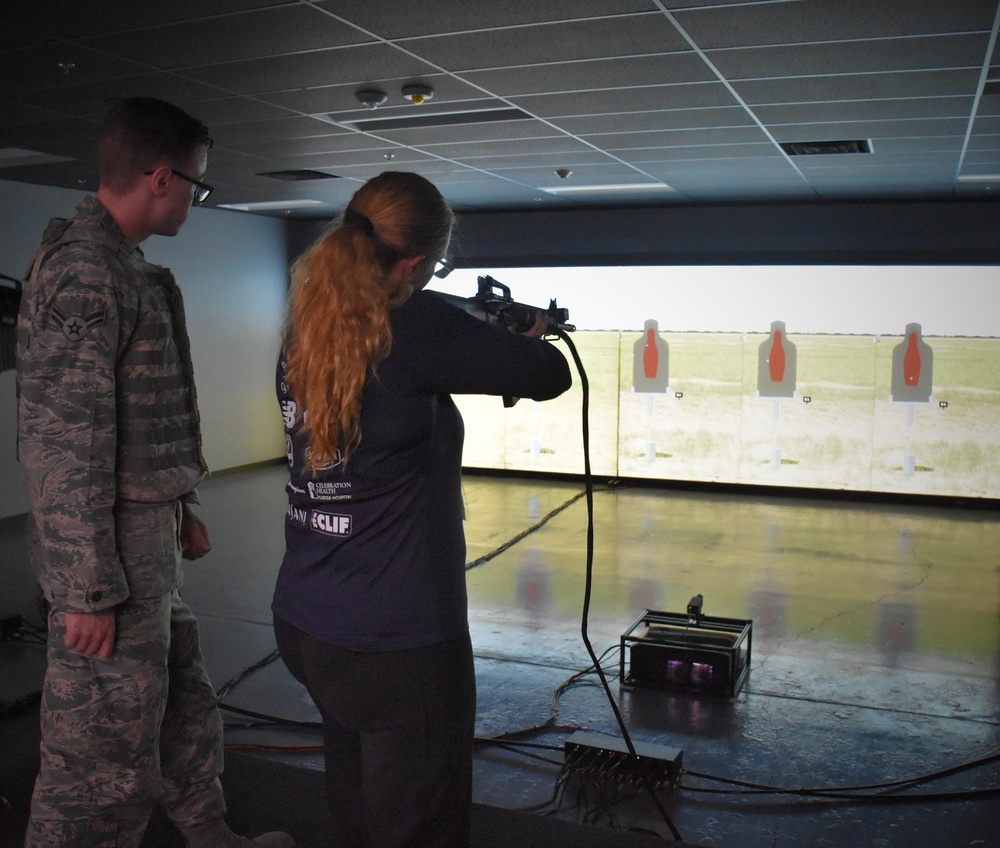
270,205
11,157
621,188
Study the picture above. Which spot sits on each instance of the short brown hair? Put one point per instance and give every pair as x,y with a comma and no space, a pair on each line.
138,133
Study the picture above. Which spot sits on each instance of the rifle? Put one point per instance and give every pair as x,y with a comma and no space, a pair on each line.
493,303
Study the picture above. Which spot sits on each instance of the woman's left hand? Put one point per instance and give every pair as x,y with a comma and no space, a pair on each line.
538,328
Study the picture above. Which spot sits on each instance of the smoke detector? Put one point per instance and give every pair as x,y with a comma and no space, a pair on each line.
418,94
371,98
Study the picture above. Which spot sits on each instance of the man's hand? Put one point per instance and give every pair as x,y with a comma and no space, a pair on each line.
91,634
195,542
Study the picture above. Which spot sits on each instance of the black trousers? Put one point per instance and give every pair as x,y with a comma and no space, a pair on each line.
398,729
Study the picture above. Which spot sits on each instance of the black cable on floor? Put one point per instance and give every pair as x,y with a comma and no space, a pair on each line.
270,719
588,582
515,539
223,690
893,791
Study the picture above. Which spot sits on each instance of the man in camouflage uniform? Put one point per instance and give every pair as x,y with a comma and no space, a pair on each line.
109,440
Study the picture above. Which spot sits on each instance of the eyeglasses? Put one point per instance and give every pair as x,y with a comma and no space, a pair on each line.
443,268
201,190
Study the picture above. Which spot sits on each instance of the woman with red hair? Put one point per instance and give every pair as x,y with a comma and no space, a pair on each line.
370,603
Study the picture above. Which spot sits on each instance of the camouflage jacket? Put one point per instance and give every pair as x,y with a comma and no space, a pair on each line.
107,413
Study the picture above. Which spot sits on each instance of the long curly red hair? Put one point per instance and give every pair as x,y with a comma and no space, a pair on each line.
337,329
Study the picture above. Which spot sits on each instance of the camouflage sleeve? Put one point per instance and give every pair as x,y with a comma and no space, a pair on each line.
69,327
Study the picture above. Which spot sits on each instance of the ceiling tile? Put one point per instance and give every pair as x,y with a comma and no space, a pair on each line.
868,129
636,141
88,99
876,86
815,21
898,54
638,99
73,19
916,108
595,75
632,35
636,90
386,19
64,63
344,65
249,35
672,119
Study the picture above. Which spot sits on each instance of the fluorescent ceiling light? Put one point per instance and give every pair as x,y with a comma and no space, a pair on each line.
619,188
11,157
271,204
980,178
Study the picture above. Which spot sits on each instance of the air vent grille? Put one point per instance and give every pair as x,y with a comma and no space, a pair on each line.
438,119
821,148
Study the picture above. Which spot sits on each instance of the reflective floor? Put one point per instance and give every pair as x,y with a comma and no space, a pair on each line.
875,655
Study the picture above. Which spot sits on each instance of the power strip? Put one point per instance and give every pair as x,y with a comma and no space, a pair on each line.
607,758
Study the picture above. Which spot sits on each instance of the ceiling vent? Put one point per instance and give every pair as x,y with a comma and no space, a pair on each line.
299,176
825,148
432,119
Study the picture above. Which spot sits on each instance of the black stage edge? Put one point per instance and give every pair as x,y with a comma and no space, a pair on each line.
266,795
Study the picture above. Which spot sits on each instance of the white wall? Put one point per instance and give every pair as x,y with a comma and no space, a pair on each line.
232,270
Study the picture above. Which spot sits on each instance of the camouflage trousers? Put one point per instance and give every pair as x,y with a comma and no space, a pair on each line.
120,735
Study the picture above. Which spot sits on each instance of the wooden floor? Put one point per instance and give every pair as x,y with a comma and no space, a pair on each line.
875,657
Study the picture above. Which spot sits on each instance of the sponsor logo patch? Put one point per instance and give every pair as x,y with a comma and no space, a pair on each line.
329,491
297,516
330,524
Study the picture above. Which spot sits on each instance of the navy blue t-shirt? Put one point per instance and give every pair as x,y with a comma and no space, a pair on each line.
375,549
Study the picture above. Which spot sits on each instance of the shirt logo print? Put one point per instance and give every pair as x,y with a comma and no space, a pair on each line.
330,524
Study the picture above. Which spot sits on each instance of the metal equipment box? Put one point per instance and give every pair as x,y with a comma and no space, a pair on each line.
690,652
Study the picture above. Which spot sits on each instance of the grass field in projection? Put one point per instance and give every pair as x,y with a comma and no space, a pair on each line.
839,431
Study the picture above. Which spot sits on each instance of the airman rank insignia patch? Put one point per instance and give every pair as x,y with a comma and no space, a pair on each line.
75,326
